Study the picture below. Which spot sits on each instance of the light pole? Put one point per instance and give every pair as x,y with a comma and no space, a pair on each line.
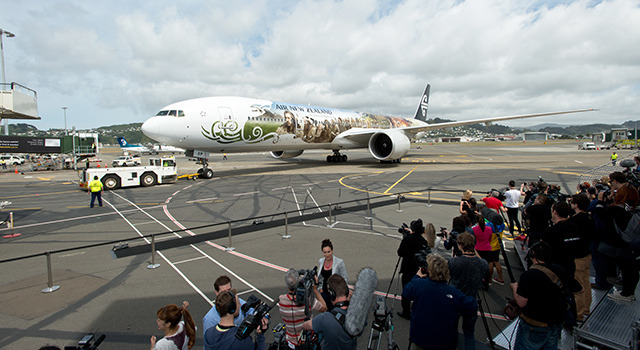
65,120
4,79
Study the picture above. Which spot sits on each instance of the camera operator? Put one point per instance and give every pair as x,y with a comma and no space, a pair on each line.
223,335
459,224
293,315
539,215
542,302
333,333
467,273
415,240
436,307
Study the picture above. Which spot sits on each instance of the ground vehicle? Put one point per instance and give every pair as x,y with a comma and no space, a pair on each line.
12,160
159,171
587,146
126,161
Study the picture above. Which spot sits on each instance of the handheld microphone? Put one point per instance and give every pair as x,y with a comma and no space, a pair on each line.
361,301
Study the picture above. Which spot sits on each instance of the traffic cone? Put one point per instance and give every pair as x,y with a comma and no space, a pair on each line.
16,170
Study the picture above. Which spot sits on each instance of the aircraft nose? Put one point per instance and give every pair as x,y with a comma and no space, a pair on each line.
151,128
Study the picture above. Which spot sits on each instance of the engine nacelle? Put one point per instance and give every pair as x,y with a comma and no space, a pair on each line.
285,154
389,145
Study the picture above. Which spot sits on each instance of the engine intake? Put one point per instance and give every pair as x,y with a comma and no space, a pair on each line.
285,154
389,145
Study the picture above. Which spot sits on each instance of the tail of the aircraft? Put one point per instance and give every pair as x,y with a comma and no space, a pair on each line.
421,113
122,142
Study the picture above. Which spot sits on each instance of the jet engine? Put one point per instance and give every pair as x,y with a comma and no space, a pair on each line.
389,145
285,154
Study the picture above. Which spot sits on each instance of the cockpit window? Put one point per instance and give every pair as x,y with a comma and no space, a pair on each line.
163,113
180,113
172,113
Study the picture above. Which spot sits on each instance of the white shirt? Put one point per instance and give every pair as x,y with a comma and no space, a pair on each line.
513,198
165,344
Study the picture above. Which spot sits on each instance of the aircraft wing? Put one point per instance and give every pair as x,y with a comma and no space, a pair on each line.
412,130
361,136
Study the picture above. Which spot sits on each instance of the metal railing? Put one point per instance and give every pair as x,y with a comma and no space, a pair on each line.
604,170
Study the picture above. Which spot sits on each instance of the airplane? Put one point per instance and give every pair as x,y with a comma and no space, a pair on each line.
126,147
240,124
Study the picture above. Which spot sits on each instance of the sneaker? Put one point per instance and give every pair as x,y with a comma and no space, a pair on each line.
495,280
614,280
616,295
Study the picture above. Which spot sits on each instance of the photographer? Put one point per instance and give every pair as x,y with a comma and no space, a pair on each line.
293,315
223,335
539,215
415,240
332,332
459,224
467,273
436,307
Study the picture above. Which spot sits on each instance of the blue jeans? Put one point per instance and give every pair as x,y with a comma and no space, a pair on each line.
95,195
468,329
532,338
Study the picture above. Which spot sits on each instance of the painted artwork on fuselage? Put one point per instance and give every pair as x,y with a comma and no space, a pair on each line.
306,124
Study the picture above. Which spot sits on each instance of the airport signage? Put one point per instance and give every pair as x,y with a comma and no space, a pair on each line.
18,144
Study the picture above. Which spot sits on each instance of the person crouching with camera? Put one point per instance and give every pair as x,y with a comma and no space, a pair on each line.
332,331
293,314
436,307
223,335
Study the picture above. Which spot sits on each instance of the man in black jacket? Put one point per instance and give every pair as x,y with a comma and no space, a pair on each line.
412,243
563,237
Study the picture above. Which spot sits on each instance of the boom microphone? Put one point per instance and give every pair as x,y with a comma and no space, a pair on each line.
361,302
628,163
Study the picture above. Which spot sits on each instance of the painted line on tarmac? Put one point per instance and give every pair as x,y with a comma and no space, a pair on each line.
280,188
37,194
202,200
242,194
402,178
195,248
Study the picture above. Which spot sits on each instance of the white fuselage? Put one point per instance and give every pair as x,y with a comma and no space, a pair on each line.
237,124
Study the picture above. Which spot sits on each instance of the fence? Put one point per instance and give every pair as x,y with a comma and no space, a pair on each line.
605,169
234,227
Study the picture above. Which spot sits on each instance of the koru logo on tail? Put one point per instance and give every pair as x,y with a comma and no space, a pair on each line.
424,104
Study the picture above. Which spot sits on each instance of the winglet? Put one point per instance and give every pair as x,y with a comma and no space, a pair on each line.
421,113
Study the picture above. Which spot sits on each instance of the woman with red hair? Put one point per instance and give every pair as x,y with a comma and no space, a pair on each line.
178,326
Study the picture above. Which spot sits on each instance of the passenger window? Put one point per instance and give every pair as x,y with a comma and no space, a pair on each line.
180,113
172,113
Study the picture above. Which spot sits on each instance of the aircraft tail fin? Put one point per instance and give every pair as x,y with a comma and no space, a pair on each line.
122,142
421,113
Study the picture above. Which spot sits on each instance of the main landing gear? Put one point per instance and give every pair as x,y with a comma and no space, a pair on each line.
205,172
399,160
337,157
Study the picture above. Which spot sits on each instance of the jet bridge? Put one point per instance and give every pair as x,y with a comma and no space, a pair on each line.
18,102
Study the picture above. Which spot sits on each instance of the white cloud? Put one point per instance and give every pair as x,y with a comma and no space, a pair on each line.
118,62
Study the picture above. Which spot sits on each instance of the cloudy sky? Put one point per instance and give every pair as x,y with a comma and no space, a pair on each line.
114,62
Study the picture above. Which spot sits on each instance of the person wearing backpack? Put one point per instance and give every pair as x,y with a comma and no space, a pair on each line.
616,218
544,303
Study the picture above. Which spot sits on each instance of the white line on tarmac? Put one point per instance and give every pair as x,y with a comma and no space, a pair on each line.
577,161
280,188
242,194
188,260
295,198
202,200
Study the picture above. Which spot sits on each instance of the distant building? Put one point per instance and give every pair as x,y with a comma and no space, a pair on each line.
450,139
535,136
613,135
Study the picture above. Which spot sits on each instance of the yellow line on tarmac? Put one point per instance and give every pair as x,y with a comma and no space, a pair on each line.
38,194
397,182
355,188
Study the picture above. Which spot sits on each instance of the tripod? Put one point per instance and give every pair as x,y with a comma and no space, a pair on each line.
382,319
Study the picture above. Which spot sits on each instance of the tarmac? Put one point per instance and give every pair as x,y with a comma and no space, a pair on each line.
114,293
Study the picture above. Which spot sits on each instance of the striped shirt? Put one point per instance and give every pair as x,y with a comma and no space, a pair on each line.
293,316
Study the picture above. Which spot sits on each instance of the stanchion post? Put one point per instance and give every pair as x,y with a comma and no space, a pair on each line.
230,247
331,224
429,200
399,210
286,226
50,287
11,219
153,264
368,217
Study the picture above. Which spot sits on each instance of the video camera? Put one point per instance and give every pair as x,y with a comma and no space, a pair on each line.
302,293
501,195
404,229
442,232
253,321
421,259
85,343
